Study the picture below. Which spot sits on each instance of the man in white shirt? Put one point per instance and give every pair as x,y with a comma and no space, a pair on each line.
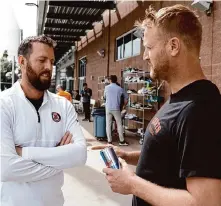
40,132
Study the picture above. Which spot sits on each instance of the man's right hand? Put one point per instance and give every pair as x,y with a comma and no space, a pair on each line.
119,152
66,139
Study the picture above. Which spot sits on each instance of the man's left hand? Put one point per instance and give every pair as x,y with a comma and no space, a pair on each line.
66,139
120,179
19,150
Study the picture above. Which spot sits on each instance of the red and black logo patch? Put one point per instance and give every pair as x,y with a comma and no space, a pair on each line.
56,117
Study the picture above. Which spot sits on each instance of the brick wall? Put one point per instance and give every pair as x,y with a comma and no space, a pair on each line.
211,45
123,20
96,65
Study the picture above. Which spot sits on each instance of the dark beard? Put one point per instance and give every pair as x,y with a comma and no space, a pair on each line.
35,80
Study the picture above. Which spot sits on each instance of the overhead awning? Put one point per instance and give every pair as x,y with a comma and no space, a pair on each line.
67,21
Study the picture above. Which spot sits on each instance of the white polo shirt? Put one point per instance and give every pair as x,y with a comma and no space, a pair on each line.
36,178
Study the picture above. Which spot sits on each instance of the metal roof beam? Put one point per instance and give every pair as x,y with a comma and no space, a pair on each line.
70,39
65,42
68,26
61,36
74,17
61,45
85,4
70,33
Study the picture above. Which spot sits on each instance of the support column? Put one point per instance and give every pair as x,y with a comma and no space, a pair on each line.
76,68
58,81
108,44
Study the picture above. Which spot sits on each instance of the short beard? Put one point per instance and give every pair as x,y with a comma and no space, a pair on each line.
35,80
161,69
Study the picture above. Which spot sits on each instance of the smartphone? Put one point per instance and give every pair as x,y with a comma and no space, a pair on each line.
110,158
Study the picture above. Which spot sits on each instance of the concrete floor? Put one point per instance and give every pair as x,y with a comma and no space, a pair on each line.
87,186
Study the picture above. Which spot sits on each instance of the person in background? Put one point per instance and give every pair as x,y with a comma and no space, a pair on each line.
86,94
77,96
179,163
63,93
40,132
122,103
113,96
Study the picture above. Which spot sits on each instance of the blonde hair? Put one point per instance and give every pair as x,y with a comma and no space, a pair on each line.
175,20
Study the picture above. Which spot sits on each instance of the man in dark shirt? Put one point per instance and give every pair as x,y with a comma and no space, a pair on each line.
86,94
179,164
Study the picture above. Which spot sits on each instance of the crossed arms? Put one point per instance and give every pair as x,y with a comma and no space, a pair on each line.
38,163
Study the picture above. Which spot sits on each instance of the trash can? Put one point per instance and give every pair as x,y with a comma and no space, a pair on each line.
99,123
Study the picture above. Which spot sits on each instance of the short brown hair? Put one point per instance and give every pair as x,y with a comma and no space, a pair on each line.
25,47
175,20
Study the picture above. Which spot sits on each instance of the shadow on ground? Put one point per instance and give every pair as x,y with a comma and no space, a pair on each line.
87,186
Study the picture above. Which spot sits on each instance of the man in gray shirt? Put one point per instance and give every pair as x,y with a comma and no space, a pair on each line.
113,95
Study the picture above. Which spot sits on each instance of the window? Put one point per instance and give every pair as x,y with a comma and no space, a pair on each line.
82,72
127,45
136,45
81,82
82,67
120,48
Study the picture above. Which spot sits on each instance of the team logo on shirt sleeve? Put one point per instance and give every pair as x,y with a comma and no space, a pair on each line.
56,117
155,126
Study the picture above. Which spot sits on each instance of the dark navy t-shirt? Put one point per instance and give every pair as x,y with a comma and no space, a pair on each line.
183,139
